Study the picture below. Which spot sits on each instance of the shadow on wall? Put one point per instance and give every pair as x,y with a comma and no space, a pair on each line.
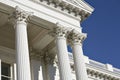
49,71
36,70
52,72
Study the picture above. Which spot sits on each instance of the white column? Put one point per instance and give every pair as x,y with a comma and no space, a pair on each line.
79,63
62,53
22,52
0,69
14,70
40,74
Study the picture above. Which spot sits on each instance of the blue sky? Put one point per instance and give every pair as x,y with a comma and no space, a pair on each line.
103,29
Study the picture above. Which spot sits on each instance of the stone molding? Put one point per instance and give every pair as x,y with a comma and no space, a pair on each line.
69,5
72,35
59,31
97,75
48,58
20,15
76,37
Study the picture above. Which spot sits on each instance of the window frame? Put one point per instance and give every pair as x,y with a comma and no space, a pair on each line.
11,70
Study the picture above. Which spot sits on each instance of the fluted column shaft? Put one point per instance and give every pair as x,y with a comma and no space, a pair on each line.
80,68
62,54
22,52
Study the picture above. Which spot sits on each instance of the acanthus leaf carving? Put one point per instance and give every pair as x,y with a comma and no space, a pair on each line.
59,31
76,37
21,15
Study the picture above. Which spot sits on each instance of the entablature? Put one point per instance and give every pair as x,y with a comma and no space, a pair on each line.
77,8
43,14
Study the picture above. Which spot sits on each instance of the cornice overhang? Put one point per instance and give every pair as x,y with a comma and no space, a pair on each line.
77,8
98,72
100,75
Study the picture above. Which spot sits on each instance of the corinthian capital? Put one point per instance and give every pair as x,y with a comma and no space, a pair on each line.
21,15
76,37
47,57
59,31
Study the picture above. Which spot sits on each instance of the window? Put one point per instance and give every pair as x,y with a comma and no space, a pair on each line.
5,71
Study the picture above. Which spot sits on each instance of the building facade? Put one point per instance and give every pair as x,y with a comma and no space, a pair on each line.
34,35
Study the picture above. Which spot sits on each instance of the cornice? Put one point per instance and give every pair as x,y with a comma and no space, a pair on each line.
71,7
96,74
103,71
97,70
99,75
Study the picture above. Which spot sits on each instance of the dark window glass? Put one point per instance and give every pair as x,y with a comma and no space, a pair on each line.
5,70
4,78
